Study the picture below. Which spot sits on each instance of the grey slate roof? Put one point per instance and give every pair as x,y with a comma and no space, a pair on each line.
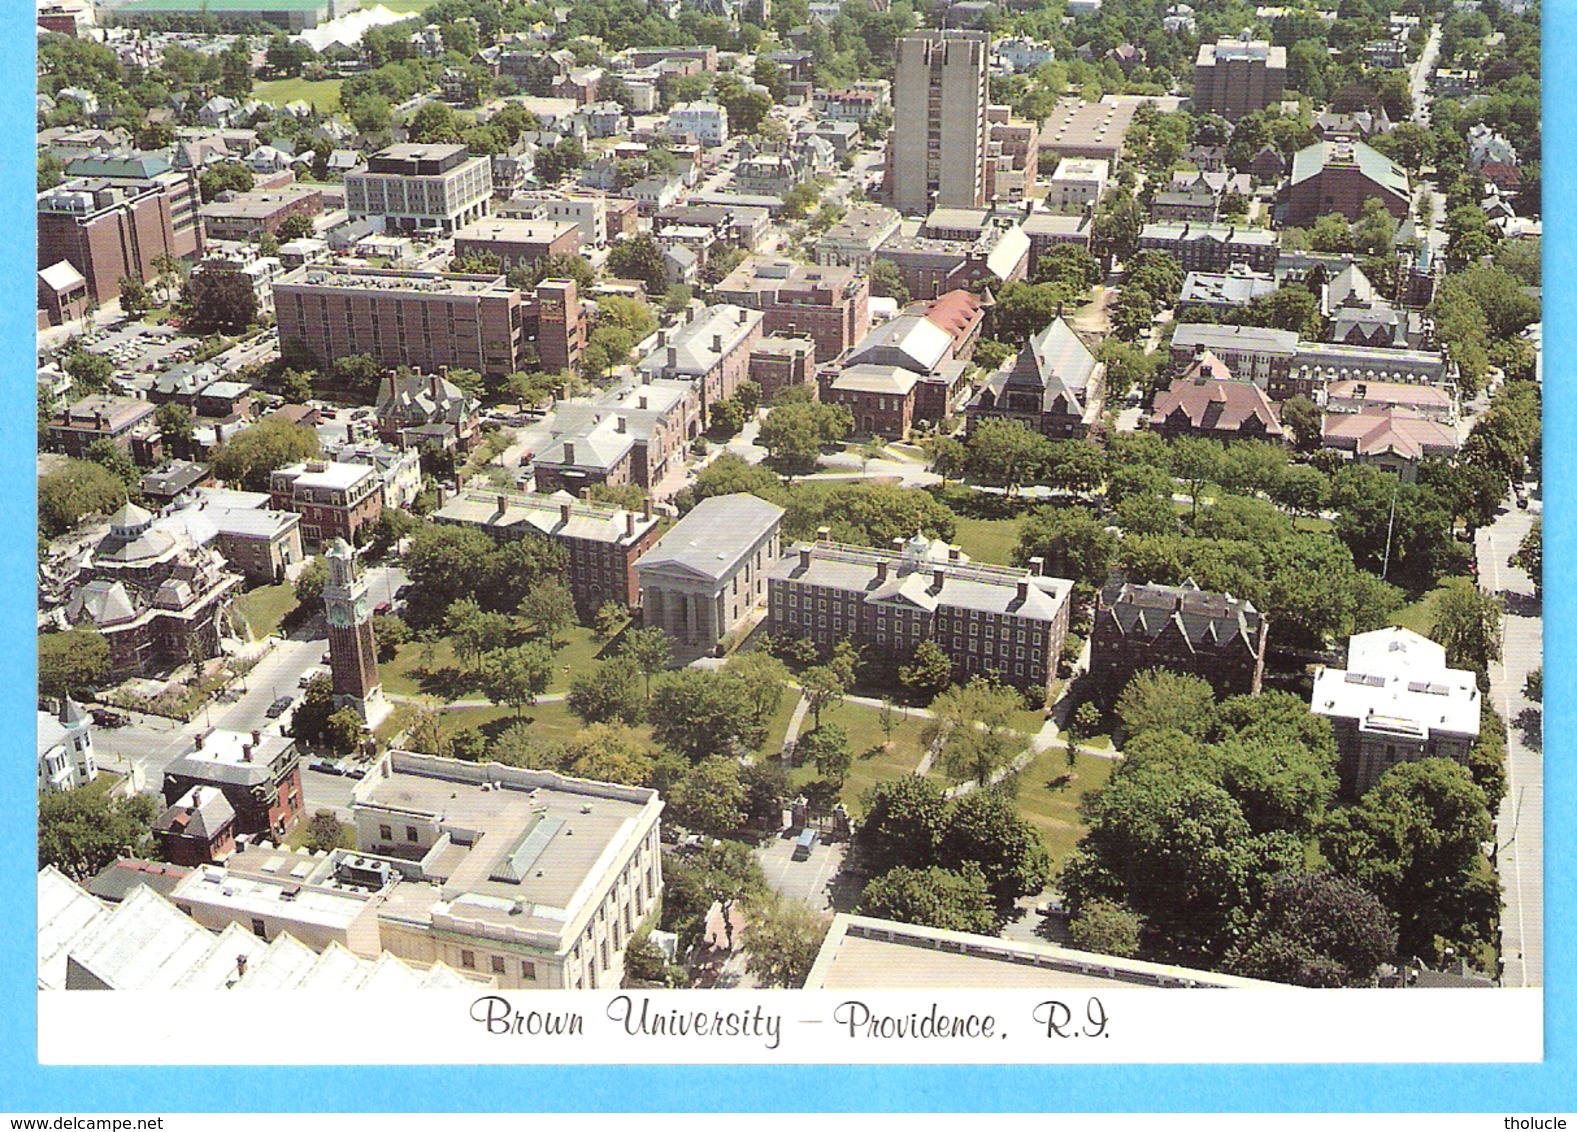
710,541
1205,620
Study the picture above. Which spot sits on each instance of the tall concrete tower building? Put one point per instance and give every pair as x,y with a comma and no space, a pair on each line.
353,654
936,155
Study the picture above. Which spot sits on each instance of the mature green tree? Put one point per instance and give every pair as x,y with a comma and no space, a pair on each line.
984,829
1005,453
1073,542
946,456
516,677
795,434
309,722
822,687
1106,928
1416,841
726,873
650,650
639,258
1197,463
781,940
73,663
928,672
1158,700
609,752
933,897
826,747
700,713
1175,848
176,425
905,821
768,788
710,798
117,461
224,176
887,281
972,729
1530,553
1278,785
87,370
251,456
342,733
1467,622
548,607
135,299
1316,930
71,492
763,677
81,832
609,692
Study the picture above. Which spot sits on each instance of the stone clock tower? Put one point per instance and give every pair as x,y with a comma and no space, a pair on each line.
353,654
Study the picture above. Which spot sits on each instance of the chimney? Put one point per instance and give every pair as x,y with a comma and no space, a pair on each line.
1037,566
881,570
569,452
823,534
717,343
898,543
563,512
673,356
350,432
246,752
629,524
619,424
744,316
938,577
240,966
503,503
804,558
257,737
646,509
1023,590
197,798
953,553
198,740
642,401
662,337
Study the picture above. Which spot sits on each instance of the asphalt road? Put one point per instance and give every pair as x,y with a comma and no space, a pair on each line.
1519,832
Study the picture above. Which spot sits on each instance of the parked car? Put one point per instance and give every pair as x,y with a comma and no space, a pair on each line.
106,718
278,708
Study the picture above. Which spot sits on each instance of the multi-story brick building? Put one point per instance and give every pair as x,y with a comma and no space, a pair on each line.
555,321
423,320
1252,353
711,349
634,434
603,542
777,363
853,241
334,500
1201,404
933,342
115,226
829,305
246,216
517,243
1234,77
1181,629
157,598
258,774
989,620
1212,247
99,417
427,411
1052,386
410,187
1396,702
1341,176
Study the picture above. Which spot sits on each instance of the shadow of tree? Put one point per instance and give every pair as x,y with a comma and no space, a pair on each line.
447,683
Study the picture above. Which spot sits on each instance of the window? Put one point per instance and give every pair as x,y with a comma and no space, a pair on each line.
411,834
259,929
498,964
385,833
468,960
528,970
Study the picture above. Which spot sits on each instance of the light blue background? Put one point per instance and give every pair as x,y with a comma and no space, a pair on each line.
25,1086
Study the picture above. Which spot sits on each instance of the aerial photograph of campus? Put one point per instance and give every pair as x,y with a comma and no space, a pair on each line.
789,493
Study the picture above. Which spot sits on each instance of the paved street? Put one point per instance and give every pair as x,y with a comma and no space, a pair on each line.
1519,835
801,880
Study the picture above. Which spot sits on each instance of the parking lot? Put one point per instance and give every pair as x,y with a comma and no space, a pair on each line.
801,880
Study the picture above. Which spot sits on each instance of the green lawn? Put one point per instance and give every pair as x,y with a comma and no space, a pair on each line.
411,674
406,5
103,783
323,95
550,722
265,607
1420,615
872,763
987,540
1054,809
